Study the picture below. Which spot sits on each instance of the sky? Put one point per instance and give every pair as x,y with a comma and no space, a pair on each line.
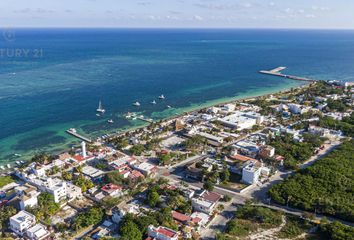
320,14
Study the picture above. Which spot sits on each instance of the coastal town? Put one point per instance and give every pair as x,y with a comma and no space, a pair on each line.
229,171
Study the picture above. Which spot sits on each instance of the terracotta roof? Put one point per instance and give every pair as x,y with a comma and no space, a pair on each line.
180,217
211,196
196,220
242,158
110,187
136,174
167,232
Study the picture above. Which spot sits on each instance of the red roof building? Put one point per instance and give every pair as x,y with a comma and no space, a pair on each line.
111,189
211,196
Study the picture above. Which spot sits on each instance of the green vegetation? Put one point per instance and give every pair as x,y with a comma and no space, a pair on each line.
346,125
153,198
83,183
135,227
84,219
267,218
5,180
208,186
326,187
42,158
249,218
46,208
336,231
137,149
195,143
5,213
294,227
295,152
119,142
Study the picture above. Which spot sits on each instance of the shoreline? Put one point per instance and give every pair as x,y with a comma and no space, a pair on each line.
233,100
190,109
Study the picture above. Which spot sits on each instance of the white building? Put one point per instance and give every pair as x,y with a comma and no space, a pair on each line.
21,222
251,173
162,233
54,186
146,168
298,109
57,188
37,232
28,198
201,205
242,120
247,148
228,107
202,218
92,172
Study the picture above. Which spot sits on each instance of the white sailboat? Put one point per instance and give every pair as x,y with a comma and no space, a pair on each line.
110,121
161,96
100,109
153,102
137,104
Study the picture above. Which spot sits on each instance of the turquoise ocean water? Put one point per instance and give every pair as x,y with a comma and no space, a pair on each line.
52,79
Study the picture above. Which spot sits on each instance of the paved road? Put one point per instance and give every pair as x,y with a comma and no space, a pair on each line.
218,224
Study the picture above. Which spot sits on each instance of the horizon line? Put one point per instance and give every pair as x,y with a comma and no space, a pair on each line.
174,28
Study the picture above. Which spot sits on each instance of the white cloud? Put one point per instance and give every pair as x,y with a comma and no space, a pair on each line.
197,17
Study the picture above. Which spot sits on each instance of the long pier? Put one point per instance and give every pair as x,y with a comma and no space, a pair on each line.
277,72
75,134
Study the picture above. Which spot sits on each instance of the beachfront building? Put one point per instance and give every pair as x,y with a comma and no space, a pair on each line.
162,233
242,120
21,222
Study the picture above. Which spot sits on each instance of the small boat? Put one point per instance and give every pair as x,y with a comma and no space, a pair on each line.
18,163
161,96
98,115
8,166
137,104
22,162
100,109
73,130
168,106
2,167
153,102
17,155
110,121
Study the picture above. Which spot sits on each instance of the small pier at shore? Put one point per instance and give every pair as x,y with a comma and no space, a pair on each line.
73,132
142,118
277,72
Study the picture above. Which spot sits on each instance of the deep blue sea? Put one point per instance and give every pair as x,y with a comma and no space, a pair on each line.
52,79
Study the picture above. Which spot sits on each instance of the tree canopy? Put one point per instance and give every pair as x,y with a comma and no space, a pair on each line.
326,187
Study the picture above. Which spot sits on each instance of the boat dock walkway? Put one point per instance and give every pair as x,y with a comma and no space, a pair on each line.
145,119
277,72
75,134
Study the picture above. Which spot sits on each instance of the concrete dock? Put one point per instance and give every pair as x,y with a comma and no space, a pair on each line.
145,119
277,72
75,134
